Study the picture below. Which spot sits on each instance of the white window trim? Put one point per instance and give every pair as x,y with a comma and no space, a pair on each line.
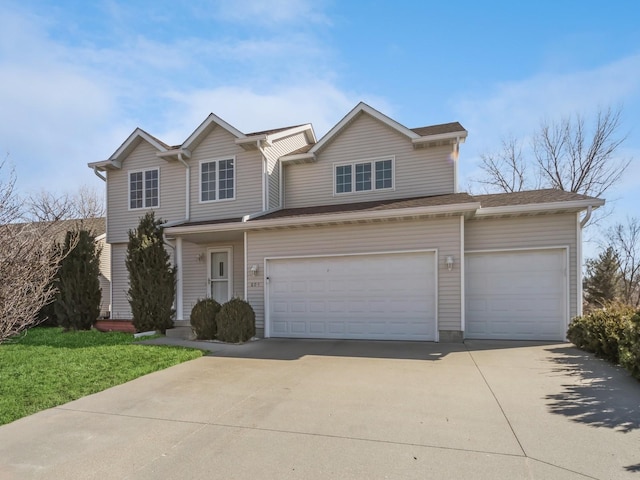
372,162
217,162
141,170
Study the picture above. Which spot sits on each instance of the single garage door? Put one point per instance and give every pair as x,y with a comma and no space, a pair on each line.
516,295
381,297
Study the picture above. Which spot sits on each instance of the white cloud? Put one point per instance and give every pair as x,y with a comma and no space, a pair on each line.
274,12
320,103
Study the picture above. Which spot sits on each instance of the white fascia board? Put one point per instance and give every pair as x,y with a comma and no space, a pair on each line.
460,136
539,207
212,118
137,133
306,128
307,157
326,218
174,153
104,165
251,139
363,107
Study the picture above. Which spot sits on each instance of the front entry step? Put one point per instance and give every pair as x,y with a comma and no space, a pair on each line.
183,333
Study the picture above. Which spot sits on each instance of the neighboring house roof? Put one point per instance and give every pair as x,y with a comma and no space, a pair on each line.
439,129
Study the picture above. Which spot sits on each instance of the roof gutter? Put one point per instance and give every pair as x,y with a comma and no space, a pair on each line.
538,207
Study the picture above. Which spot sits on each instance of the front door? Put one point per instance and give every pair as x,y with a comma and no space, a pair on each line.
219,275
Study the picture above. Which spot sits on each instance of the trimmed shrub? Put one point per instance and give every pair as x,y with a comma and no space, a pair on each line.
630,346
203,318
236,321
600,331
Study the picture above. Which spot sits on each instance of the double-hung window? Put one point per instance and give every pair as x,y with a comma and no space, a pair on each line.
217,180
364,176
144,189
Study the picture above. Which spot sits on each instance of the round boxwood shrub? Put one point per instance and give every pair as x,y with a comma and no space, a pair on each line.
236,321
203,318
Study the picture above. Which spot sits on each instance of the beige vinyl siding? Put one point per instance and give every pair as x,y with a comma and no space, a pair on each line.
441,233
279,148
528,232
120,308
425,171
105,276
194,277
219,145
120,219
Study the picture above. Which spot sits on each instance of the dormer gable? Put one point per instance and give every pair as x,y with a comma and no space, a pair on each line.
420,137
114,162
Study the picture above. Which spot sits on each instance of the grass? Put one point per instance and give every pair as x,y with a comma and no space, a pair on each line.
47,367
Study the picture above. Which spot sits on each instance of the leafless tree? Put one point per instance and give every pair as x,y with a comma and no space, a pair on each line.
566,154
28,262
46,206
505,169
625,240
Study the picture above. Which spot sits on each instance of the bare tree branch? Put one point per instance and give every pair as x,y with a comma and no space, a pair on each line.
506,169
625,241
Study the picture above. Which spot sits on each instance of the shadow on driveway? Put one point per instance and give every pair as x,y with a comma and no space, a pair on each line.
294,349
604,395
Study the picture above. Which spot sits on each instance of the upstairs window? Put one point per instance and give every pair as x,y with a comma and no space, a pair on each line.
144,189
217,180
364,176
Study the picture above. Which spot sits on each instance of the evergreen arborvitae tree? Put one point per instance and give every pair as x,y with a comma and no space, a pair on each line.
77,304
602,282
152,279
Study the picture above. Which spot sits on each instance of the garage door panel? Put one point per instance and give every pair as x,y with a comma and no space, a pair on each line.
385,296
516,295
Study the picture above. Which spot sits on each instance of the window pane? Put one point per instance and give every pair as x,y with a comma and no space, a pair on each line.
226,170
151,188
363,176
343,179
384,174
208,181
135,189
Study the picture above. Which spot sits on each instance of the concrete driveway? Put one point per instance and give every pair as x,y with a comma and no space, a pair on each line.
339,409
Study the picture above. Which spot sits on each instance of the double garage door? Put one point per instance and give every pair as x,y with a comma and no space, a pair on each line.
511,295
516,295
388,296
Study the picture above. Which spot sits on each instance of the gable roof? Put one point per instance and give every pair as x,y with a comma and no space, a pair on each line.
419,136
132,141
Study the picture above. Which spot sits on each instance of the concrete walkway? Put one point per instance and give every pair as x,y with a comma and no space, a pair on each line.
281,409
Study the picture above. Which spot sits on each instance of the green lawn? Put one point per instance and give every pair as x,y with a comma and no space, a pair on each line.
46,367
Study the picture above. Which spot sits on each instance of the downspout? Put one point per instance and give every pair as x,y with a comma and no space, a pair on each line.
99,175
456,154
581,224
187,214
587,216
265,183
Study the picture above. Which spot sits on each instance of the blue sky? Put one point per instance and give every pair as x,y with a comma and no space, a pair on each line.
77,77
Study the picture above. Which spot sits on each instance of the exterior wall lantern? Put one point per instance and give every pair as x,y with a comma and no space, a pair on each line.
449,262
254,270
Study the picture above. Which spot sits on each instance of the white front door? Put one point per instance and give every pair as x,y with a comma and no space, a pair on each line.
219,272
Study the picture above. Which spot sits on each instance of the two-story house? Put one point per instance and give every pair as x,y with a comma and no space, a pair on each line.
359,235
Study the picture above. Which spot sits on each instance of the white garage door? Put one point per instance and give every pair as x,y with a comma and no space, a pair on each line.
382,297
518,295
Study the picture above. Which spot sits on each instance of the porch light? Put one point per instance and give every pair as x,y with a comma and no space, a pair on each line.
254,270
200,257
449,262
